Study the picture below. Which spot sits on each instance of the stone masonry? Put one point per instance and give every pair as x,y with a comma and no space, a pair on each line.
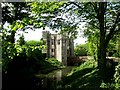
58,46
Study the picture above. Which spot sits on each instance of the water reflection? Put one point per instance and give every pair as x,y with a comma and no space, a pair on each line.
49,81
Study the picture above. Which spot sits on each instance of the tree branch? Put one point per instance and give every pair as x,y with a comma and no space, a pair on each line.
75,4
94,5
112,30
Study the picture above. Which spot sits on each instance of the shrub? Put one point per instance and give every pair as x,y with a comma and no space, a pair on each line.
81,50
32,54
54,62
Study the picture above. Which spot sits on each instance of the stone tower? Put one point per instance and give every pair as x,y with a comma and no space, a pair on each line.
58,46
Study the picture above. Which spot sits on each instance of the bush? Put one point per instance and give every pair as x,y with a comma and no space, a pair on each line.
49,64
81,50
10,51
54,62
34,53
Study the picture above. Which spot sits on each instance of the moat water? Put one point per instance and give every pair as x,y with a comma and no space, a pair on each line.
49,81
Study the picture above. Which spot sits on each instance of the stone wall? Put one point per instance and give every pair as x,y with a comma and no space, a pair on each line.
58,46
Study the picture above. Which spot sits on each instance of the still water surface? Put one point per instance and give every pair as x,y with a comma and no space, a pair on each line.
50,80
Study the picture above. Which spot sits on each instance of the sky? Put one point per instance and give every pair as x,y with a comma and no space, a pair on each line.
37,35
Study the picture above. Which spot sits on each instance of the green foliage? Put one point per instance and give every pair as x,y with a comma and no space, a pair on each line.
107,86
117,45
30,53
32,43
49,64
83,77
54,62
8,52
100,31
81,50
93,50
35,43
87,64
11,50
42,13
93,41
113,46
21,40
69,30
17,50
117,77
13,11
115,84
45,7
34,53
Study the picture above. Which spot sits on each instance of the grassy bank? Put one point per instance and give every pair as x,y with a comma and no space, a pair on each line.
86,77
82,77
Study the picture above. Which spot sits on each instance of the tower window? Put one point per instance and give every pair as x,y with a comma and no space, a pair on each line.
52,50
58,41
52,41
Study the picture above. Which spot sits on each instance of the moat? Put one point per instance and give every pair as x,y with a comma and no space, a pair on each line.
50,80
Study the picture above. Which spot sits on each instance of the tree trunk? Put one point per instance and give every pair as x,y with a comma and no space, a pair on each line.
102,46
102,57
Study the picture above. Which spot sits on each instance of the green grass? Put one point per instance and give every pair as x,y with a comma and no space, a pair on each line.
84,77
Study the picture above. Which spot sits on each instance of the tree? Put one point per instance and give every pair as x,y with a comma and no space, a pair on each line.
33,43
13,13
81,50
104,38
51,15
93,36
103,16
